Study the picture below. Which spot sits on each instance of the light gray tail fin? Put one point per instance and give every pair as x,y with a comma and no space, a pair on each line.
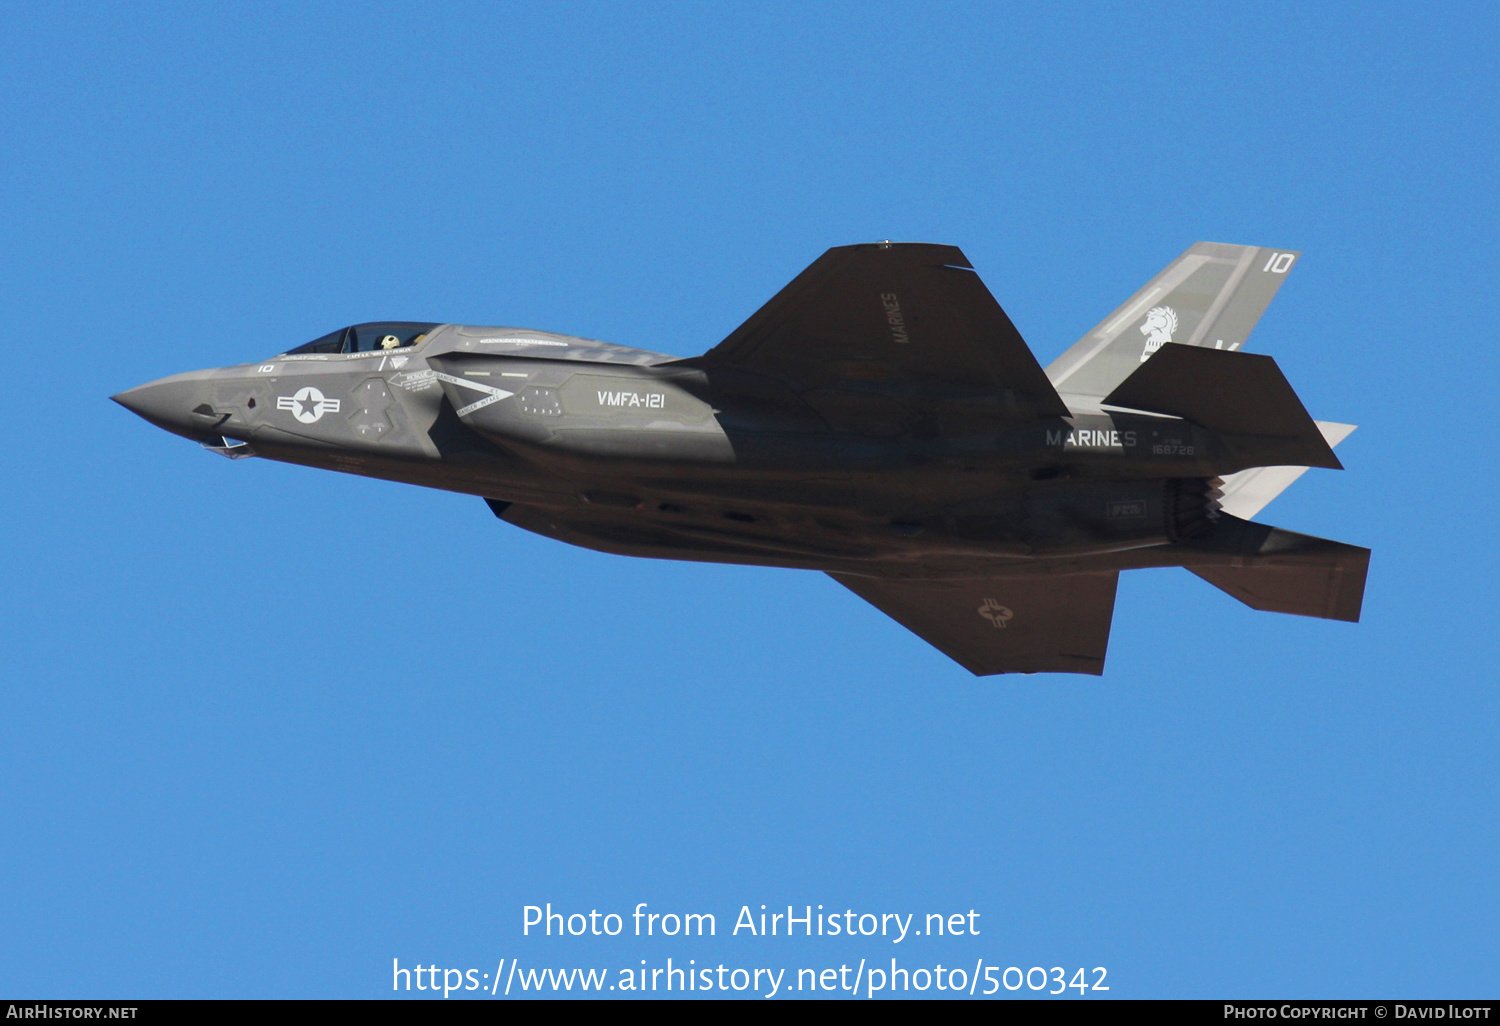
1211,296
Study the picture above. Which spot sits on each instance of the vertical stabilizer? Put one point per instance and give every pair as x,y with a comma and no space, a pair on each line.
1211,296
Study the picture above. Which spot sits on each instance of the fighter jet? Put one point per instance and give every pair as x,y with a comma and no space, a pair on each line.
879,420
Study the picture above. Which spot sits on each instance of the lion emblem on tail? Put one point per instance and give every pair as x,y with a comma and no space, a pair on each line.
1161,322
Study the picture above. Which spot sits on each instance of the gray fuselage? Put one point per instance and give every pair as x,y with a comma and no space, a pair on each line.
632,451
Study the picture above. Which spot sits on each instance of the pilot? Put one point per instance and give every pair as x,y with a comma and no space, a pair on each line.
390,342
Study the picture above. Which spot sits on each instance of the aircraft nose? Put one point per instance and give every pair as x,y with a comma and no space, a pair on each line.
177,404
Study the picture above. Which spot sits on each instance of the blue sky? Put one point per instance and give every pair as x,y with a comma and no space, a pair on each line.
268,728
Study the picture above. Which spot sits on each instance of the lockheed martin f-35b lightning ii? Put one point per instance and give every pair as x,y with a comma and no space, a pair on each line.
880,420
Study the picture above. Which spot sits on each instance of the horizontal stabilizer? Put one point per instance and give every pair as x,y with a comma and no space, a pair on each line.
1282,571
1248,492
1003,625
1242,397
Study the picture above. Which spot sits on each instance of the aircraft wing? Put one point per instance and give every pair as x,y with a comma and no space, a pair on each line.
1005,624
901,320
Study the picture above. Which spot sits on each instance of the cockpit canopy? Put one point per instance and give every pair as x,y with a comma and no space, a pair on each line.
368,338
